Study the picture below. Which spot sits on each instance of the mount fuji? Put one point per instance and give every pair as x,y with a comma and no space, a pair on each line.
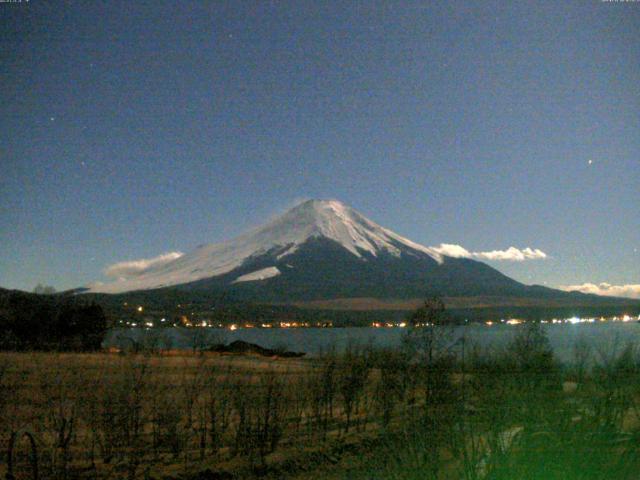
319,250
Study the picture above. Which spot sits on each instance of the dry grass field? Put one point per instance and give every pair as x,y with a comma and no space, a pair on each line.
408,414
108,415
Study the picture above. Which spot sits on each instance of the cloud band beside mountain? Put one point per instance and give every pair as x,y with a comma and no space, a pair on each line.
134,268
629,290
511,254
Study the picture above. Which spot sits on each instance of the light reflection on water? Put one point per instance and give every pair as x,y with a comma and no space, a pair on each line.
604,338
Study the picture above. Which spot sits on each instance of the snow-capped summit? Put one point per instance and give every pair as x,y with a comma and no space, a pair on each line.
335,221
283,236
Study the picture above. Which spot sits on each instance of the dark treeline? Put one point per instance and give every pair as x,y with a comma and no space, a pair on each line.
31,321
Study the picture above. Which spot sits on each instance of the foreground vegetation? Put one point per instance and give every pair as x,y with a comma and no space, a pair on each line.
430,410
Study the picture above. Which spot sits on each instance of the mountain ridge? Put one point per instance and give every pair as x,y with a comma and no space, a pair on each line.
324,250
283,235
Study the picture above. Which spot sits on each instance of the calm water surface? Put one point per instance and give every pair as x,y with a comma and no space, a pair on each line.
603,337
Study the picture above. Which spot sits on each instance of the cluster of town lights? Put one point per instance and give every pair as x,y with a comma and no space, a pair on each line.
183,321
391,325
571,320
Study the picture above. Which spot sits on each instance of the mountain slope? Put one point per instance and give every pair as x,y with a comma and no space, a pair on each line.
321,268
281,237
324,250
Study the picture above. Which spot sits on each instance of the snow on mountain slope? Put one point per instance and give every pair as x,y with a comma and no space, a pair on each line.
329,219
262,274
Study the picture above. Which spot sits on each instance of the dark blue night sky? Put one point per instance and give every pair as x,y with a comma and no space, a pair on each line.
131,129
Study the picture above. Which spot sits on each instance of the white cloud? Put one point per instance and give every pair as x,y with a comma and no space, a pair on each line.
512,254
629,290
455,251
134,268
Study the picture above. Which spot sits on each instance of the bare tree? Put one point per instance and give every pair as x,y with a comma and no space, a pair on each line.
44,289
430,331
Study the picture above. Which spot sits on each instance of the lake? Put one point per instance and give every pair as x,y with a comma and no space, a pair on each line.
602,336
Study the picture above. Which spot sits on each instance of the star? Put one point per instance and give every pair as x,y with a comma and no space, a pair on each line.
590,162
52,119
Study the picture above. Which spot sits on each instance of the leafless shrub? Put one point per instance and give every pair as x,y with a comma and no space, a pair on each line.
58,389
322,390
193,385
582,355
270,417
166,420
122,412
393,382
218,405
299,400
352,374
